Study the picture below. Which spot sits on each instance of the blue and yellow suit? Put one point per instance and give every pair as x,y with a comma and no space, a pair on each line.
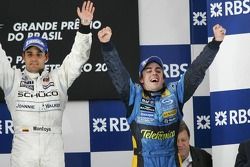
154,117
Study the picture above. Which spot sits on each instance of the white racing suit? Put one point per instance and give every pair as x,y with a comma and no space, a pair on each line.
36,103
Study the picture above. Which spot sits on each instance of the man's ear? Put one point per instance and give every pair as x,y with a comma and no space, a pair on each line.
47,57
141,80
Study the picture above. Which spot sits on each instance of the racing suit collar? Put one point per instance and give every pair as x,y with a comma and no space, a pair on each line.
154,93
34,75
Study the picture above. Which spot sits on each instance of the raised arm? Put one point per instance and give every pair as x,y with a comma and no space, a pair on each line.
80,52
86,13
116,70
196,72
6,73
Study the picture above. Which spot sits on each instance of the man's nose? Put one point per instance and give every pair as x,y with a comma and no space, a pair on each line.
154,72
34,57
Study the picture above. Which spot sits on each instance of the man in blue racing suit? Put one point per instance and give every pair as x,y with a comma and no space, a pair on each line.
154,108
36,98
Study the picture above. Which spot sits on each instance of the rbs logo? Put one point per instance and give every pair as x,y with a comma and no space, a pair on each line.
240,116
174,70
230,8
237,7
111,125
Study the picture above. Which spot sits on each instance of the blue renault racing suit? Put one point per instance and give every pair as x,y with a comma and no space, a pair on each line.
154,117
36,102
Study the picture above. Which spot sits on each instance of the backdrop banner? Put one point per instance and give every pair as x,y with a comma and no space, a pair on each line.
230,80
58,23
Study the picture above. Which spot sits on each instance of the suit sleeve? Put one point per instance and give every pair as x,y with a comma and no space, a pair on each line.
117,72
196,72
207,159
241,159
7,74
200,157
79,55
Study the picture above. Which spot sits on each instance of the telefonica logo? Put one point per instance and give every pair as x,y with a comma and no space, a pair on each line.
229,8
159,135
232,117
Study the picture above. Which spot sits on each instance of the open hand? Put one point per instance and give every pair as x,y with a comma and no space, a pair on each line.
86,13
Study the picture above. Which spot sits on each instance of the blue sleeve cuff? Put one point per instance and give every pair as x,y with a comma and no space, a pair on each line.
108,46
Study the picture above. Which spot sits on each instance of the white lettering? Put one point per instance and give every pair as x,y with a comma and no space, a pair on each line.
19,59
124,126
237,7
233,117
174,70
246,6
18,37
49,67
240,116
114,124
38,26
9,126
1,127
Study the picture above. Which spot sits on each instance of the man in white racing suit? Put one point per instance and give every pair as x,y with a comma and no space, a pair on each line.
36,98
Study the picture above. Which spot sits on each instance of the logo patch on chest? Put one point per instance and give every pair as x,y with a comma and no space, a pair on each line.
27,84
47,83
145,107
170,113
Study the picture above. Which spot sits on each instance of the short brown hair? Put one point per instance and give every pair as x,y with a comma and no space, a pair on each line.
183,126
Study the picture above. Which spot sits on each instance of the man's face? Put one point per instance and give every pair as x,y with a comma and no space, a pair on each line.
34,59
152,77
183,144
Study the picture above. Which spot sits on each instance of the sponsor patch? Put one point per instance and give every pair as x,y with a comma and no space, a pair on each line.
41,129
46,83
160,135
170,113
27,84
25,130
147,114
147,108
147,101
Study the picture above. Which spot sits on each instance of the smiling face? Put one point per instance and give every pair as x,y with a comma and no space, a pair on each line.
34,59
152,78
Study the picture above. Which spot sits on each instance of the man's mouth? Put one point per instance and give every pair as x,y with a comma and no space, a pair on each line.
154,80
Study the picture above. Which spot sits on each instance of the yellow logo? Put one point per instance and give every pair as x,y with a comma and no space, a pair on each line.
149,134
169,113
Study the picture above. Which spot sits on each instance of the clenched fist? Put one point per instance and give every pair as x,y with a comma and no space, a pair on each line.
105,34
219,32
